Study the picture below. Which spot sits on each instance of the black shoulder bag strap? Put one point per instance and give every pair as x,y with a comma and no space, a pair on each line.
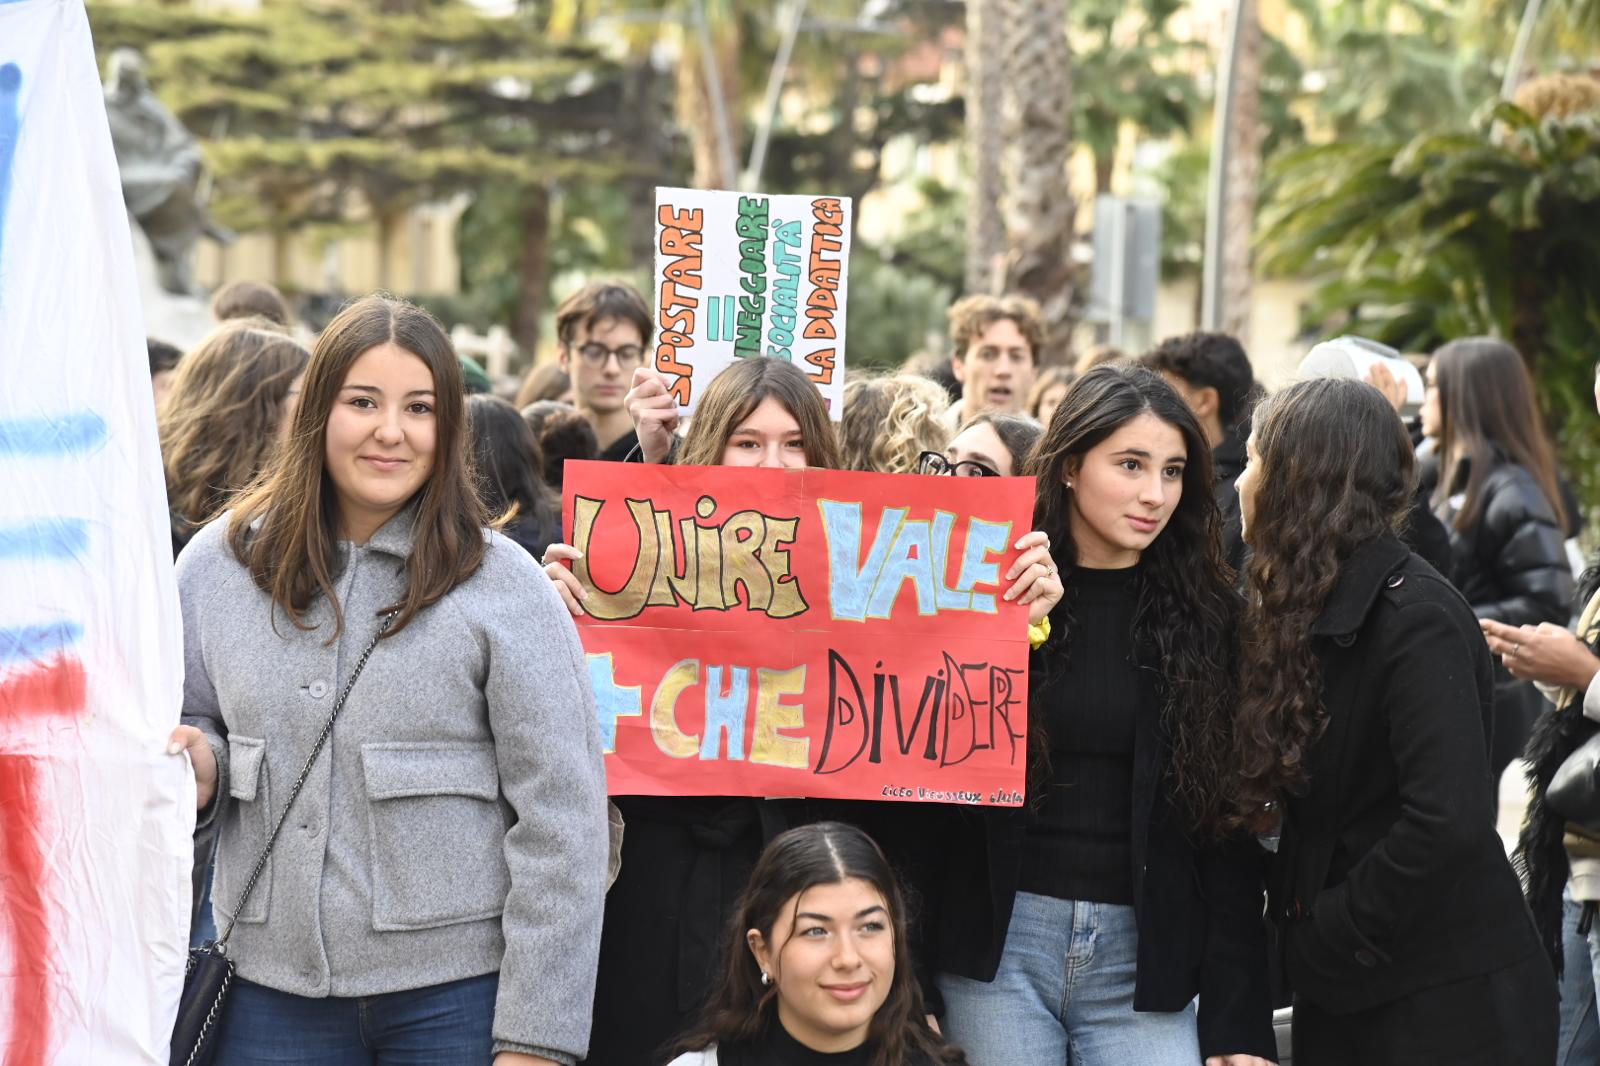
210,972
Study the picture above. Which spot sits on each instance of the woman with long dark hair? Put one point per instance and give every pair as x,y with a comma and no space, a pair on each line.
1080,928
510,471
435,894
816,964
1365,708
685,858
1499,495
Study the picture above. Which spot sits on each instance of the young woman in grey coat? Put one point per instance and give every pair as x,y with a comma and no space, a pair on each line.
436,892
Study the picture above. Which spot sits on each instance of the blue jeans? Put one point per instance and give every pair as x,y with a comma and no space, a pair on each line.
1580,1035
1063,995
442,1025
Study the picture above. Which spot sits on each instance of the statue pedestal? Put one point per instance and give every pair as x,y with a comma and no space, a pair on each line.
181,320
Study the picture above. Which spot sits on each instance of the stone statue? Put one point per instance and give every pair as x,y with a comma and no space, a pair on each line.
161,165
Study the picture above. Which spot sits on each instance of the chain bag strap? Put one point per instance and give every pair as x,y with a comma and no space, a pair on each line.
210,971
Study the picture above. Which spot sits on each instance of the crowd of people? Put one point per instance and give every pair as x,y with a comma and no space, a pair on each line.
1282,648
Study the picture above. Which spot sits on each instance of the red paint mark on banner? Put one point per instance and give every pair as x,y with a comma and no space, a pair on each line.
55,687
24,907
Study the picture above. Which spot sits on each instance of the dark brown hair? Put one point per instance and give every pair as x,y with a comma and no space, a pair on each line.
1336,471
739,390
250,299
971,315
601,300
740,1007
1486,402
285,526
221,422
1019,433
509,465
1185,618
563,434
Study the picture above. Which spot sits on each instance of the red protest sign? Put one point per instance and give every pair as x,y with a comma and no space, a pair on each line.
803,633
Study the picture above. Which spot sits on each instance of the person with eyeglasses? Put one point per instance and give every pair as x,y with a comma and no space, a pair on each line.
604,329
991,445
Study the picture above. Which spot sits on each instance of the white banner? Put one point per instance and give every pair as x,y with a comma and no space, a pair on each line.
95,818
740,275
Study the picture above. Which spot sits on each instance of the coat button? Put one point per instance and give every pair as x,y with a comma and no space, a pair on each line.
1396,581
1366,957
318,689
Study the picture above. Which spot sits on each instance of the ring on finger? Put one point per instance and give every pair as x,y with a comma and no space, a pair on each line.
1514,649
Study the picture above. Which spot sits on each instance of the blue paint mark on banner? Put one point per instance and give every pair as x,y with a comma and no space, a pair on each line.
70,434
37,643
10,133
51,538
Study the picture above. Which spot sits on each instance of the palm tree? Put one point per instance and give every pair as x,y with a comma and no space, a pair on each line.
1486,230
1040,208
985,100
1243,179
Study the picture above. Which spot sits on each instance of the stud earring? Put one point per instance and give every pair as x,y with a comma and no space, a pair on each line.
766,979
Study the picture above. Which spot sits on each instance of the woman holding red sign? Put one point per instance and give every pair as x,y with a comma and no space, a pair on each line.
1081,927
686,859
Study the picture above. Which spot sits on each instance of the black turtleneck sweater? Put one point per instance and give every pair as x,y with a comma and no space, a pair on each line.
1079,842
775,1047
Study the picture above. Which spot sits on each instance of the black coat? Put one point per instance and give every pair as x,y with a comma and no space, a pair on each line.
1511,564
1199,909
1390,877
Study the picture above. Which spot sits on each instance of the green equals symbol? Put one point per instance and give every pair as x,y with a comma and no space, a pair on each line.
721,323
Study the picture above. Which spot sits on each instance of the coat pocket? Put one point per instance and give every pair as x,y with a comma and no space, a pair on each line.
437,834
245,832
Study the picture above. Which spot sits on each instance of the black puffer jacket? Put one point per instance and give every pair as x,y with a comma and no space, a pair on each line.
1511,564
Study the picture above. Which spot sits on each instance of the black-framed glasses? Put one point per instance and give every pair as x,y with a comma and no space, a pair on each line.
595,354
936,463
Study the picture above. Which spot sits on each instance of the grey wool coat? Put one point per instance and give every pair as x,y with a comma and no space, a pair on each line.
456,823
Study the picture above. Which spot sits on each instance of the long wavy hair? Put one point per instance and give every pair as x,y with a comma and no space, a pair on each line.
889,422
739,390
1184,622
285,527
1336,470
223,418
1486,403
740,1007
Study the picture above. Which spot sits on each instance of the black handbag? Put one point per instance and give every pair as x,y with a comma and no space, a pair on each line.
210,972
1574,791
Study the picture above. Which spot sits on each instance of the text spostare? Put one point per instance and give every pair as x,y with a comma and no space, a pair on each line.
744,276
802,633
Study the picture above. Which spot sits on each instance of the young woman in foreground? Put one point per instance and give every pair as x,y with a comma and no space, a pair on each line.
815,965
1366,702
